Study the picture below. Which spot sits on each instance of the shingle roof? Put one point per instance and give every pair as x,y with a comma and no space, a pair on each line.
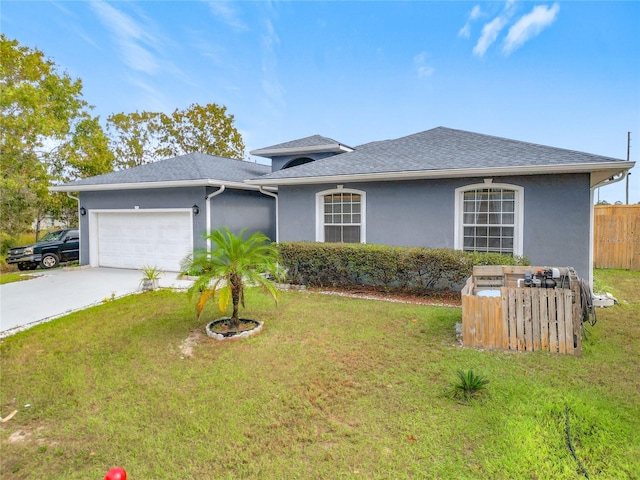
312,141
191,167
438,149
437,152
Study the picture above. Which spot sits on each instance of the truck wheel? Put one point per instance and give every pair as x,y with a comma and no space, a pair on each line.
23,266
49,260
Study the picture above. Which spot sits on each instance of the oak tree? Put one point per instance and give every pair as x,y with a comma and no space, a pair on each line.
47,135
142,137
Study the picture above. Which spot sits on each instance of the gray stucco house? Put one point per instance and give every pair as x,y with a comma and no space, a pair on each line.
441,188
156,214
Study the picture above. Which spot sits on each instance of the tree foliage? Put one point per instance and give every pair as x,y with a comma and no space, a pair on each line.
143,137
47,135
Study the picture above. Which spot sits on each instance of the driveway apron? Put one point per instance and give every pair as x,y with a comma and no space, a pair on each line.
53,293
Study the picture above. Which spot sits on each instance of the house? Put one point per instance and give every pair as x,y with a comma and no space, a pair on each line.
440,188
156,214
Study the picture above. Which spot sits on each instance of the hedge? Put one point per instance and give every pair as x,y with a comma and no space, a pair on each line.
409,269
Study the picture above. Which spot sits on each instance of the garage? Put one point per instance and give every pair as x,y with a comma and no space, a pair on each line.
134,238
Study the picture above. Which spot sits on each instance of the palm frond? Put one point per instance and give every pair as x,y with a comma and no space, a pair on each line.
254,260
204,296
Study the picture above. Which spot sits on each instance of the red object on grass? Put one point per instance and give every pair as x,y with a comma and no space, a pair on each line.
116,473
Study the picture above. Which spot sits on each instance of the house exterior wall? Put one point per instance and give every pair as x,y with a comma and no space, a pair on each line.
238,209
556,213
235,209
557,221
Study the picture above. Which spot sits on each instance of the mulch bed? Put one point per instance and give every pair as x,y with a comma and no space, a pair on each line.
439,298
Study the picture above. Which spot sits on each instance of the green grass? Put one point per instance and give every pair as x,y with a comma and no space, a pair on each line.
620,283
332,388
13,277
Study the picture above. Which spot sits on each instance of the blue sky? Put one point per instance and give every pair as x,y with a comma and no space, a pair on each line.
565,74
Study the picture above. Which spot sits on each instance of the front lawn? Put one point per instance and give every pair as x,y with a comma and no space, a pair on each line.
13,277
332,387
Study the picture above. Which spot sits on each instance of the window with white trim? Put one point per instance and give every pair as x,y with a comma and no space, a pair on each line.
489,218
340,216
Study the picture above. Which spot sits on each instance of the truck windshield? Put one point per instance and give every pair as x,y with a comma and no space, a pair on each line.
51,236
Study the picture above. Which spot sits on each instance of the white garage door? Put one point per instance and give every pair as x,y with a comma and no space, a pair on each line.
134,239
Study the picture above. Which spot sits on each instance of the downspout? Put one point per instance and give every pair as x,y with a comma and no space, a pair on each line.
608,181
207,210
274,195
77,199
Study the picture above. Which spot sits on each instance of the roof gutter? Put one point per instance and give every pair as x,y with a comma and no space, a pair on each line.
615,178
272,152
614,167
147,185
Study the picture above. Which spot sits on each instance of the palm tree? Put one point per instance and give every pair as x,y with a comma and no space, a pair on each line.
233,263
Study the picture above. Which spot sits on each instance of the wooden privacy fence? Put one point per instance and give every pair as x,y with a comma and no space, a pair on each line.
521,318
616,236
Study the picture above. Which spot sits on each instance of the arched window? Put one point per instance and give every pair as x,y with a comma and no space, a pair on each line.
489,218
297,161
340,216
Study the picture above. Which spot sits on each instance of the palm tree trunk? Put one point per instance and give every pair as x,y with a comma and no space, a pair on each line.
236,289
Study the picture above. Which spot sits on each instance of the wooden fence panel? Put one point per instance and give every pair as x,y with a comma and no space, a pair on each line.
577,328
486,325
562,339
523,319
528,324
567,298
535,313
553,322
544,319
482,323
616,232
504,308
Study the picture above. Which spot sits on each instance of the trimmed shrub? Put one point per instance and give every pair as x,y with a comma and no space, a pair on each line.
410,269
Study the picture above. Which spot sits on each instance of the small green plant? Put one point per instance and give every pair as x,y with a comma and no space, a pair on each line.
150,277
151,273
470,384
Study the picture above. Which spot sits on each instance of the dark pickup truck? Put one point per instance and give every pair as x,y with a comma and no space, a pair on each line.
49,251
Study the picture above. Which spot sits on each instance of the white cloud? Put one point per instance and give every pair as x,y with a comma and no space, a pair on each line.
270,83
225,12
489,35
465,32
420,63
64,9
509,4
270,37
529,26
131,36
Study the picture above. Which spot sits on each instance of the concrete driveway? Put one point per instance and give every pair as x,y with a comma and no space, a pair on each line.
57,292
